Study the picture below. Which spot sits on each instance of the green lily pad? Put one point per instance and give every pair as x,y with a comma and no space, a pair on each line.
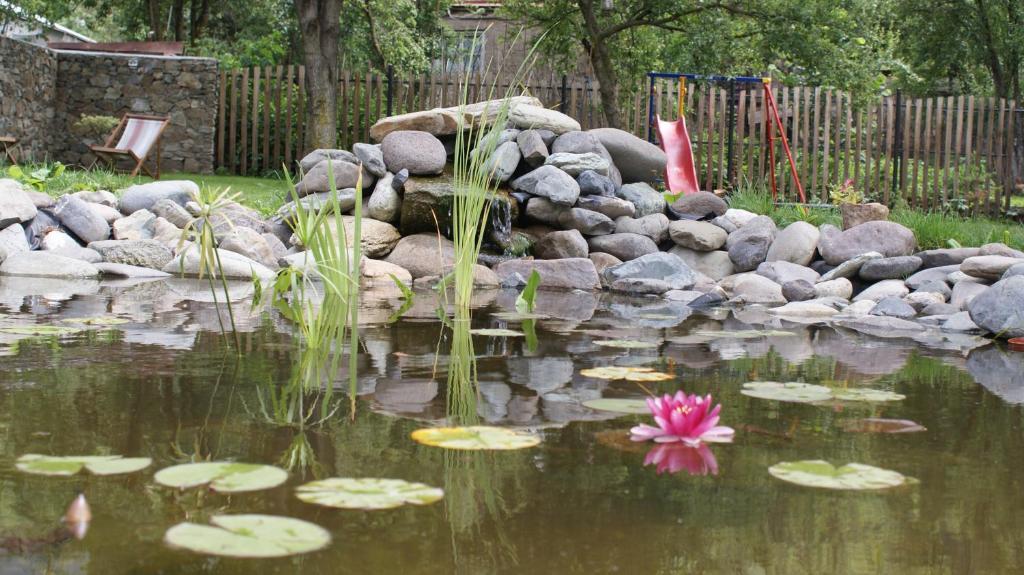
475,438
863,394
249,536
496,332
626,343
222,476
72,464
40,330
367,493
640,374
792,391
852,476
618,405
98,321
517,316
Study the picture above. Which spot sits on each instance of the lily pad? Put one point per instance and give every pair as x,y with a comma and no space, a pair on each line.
517,316
626,343
863,394
98,321
633,406
367,493
881,425
72,464
496,332
222,476
792,391
475,437
852,476
640,374
40,330
249,536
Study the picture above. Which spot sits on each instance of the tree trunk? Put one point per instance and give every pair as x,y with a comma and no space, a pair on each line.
178,18
319,23
155,20
600,60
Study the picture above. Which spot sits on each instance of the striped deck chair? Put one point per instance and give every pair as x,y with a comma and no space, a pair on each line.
138,136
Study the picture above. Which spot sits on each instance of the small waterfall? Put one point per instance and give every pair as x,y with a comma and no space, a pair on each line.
501,222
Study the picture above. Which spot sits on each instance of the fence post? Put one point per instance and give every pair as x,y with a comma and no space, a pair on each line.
391,88
563,94
897,149
731,127
650,110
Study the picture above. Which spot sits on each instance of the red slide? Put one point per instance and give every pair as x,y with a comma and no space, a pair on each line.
680,173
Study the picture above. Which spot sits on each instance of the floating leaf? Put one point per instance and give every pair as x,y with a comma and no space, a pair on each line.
249,536
516,316
793,391
863,394
476,437
222,476
496,332
367,493
852,476
880,425
626,343
99,321
639,374
40,330
72,464
618,405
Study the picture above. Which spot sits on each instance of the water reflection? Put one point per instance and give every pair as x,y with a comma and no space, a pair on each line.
676,457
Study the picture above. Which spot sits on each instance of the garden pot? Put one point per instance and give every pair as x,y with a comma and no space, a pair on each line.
1016,344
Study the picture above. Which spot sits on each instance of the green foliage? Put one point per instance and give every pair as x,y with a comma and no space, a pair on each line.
526,298
845,193
94,127
38,177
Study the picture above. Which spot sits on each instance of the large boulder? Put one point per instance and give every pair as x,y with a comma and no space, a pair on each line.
423,255
251,244
716,265
16,207
699,206
587,222
532,147
898,267
570,273
78,217
748,246
576,164
143,253
882,290
887,238
646,199
143,196
561,245
636,159
988,267
623,246
503,162
310,160
47,265
12,241
945,257
657,266
385,203
427,204
654,226
782,272
551,183
857,214
796,243
378,238
529,117
438,122
577,143
963,293
1000,309
419,152
700,236
612,207
232,266
594,184
753,288
138,226
317,179
545,211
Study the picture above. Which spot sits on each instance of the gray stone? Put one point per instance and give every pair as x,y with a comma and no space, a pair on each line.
551,183
623,246
602,261
142,253
39,199
887,238
503,162
529,117
57,240
109,214
709,299
659,266
958,276
577,143
965,292
1014,270
839,287
378,238
609,206
1000,309
945,257
385,204
585,221
644,197
654,226
850,267
108,269
419,152
857,214
893,307
921,300
168,234
47,265
102,197
782,272
699,236
752,288
532,147
559,245
317,180
576,164
143,196
1000,372
932,274
748,246
700,205
594,184
371,157
252,245
640,286
682,296
798,290
934,309
424,255
570,273
1000,249
636,159
796,243
935,286
138,226
989,267
961,323
232,266
312,159
79,253
78,217
715,265
882,290
881,326
173,212
898,267
12,241
545,211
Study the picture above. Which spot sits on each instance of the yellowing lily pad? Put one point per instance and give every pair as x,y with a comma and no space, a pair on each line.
249,536
72,464
863,394
626,343
40,330
367,493
475,437
496,332
97,321
822,474
633,406
793,391
517,316
641,374
222,476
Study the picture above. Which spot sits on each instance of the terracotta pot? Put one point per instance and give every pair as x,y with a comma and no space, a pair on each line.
1016,344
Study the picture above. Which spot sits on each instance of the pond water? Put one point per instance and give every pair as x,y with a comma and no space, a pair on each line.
163,386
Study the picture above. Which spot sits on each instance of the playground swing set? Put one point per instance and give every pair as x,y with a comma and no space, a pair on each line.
674,137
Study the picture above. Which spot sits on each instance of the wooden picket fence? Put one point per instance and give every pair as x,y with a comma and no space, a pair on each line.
930,152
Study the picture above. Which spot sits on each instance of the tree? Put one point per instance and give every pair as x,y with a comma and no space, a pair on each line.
320,26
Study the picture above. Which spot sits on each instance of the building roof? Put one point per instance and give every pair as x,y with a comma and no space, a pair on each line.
20,12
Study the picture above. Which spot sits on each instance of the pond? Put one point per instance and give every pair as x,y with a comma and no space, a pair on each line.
165,385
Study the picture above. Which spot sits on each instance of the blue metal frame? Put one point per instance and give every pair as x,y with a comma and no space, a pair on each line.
675,76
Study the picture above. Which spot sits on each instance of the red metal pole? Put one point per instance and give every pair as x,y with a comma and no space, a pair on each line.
785,145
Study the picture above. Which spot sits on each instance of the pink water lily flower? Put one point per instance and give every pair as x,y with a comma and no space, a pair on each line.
689,419
676,457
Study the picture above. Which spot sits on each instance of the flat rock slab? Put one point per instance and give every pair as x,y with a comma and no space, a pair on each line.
126,271
568,273
47,265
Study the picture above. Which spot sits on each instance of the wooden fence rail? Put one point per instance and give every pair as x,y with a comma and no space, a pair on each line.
927,152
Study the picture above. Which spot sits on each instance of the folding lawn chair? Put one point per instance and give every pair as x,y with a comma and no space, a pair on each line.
9,144
139,134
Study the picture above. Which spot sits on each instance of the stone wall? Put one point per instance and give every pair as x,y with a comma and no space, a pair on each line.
27,90
183,89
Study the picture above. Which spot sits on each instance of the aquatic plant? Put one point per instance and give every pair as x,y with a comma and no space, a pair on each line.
689,419
78,516
249,536
676,457
527,298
